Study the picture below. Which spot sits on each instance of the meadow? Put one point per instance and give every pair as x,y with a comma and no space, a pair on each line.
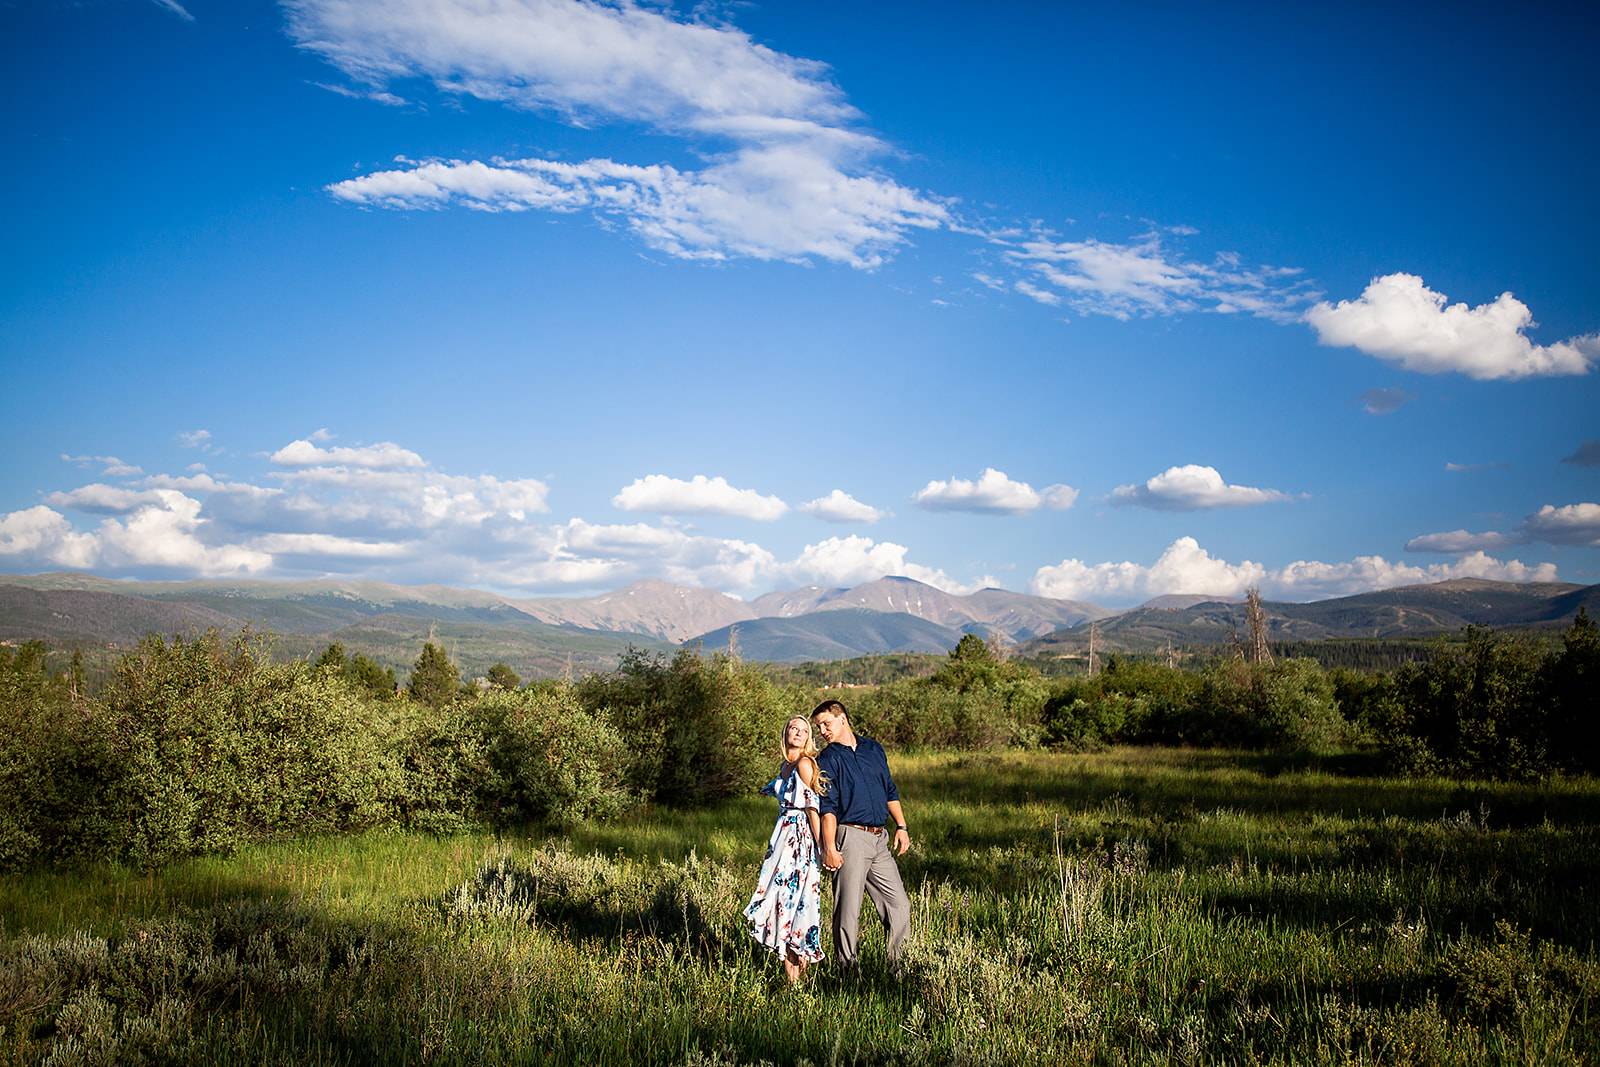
1142,905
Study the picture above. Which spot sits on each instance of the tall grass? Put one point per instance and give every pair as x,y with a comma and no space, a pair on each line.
1129,906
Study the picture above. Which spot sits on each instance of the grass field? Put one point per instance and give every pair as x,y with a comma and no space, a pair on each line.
1129,906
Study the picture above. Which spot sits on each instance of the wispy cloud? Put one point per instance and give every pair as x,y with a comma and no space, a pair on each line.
175,8
1400,320
1585,455
1384,401
790,175
112,466
1147,277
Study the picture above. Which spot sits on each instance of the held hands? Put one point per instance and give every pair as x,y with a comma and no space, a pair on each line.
832,858
902,842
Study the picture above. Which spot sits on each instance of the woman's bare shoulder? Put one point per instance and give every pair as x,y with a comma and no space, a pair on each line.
807,768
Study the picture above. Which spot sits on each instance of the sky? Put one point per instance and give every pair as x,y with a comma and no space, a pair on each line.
544,296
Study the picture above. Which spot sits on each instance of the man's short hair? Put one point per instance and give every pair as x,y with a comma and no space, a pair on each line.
832,707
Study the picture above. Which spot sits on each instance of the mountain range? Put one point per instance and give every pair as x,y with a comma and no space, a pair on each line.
895,614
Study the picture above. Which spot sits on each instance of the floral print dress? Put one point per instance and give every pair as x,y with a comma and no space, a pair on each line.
785,912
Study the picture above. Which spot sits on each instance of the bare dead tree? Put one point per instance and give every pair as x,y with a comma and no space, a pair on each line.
733,642
1094,647
1259,651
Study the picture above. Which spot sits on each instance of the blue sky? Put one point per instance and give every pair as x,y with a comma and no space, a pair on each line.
1087,302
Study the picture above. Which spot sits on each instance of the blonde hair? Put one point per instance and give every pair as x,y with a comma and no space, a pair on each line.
808,749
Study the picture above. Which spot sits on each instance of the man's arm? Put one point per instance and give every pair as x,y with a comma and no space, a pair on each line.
902,840
828,806
832,858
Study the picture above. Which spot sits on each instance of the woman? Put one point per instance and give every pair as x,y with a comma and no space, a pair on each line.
785,913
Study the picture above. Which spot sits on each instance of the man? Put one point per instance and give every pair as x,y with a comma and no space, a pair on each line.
860,792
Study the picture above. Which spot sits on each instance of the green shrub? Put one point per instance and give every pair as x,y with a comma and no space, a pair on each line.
552,759
697,729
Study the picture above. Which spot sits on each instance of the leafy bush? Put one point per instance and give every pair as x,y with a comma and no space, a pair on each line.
552,759
697,729
218,746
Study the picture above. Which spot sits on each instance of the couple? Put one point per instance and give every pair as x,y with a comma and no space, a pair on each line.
831,808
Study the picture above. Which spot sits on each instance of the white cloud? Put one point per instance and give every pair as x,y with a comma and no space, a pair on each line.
1033,292
846,561
840,506
320,435
1459,541
104,499
638,550
989,281
166,536
1192,487
315,544
39,535
1399,319
382,456
796,184
195,439
698,496
1572,524
113,467
205,483
1144,278
994,491
1185,567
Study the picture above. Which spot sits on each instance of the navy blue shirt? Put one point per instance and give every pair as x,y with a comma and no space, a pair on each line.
859,784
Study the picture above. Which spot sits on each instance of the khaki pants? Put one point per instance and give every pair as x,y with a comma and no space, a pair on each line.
868,864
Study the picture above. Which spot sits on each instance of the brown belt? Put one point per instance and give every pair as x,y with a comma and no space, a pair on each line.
868,829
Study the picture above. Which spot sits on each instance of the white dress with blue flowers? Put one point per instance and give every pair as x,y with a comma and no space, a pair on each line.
785,912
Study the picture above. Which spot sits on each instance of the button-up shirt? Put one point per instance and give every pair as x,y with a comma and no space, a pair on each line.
859,784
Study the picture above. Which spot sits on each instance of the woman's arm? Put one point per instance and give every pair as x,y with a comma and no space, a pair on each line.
807,770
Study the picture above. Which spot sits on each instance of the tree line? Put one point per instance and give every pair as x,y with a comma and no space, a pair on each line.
196,746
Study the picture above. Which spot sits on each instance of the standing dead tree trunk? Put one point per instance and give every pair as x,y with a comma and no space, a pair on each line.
1259,650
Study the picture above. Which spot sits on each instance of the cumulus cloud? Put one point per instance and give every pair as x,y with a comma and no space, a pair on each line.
840,506
381,456
1585,455
1190,488
1573,524
795,182
1144,278
1570,524
697,496
1186,567
164,534
845,561
1383,401
993,492
40,535
1399,319
112,466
